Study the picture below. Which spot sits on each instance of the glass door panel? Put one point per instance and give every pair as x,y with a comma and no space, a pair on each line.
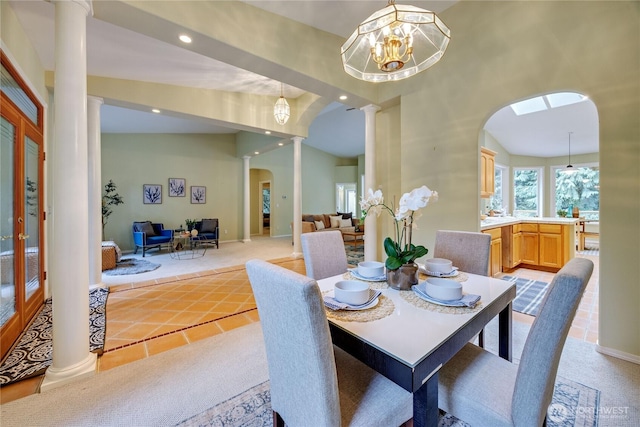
31,234
7,262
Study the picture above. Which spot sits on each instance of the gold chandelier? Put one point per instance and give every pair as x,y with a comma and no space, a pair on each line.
281,110
395,43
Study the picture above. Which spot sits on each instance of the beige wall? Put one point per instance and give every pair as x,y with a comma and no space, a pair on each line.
505,51
132,160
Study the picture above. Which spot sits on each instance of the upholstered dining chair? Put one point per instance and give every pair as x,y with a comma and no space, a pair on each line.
312,382
324,254
469,251
483,389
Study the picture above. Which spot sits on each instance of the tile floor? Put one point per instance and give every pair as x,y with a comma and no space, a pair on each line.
150,317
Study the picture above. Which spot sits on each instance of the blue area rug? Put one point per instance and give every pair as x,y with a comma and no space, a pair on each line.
529,294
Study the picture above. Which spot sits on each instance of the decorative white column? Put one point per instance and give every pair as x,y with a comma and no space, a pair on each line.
247,200
370,222
69,262
95,192
297,196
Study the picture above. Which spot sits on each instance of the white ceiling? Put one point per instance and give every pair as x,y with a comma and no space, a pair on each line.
120,53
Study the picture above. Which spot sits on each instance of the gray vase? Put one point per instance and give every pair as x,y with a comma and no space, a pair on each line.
404,277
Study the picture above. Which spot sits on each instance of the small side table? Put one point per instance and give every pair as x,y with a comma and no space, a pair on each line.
358,236
186,246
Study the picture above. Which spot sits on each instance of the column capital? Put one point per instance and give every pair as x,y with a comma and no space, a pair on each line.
297,139
371,108
85,4
246,157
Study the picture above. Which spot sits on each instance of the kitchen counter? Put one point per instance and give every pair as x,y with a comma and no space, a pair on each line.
500,221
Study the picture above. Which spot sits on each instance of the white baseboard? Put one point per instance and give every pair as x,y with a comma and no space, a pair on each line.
633,358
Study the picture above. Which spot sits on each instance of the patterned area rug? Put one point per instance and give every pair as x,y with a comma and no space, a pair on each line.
34,351
354,255
529,294
252,408
131,266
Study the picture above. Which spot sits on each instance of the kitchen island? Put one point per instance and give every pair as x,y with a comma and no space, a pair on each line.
543,243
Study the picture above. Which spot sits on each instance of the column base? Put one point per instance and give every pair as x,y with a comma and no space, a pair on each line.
297,255
246,240
54,378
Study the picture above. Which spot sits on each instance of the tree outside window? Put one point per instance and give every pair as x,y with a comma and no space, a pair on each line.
578,187
526,192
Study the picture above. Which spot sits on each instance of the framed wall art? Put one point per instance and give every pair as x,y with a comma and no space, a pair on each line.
152,194
198,194
177,187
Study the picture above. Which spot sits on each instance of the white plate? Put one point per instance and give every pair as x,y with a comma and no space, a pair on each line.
364,307
421,292
354,272
454,273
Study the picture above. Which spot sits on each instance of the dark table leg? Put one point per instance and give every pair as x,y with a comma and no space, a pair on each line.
425,404
504,333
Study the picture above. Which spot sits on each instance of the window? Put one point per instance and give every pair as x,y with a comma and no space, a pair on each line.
578,187
346,197
499,199
527,185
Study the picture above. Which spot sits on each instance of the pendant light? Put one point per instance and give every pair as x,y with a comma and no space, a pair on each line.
395,43
570,166
281,110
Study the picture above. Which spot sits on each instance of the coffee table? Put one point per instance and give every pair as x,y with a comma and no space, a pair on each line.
358,236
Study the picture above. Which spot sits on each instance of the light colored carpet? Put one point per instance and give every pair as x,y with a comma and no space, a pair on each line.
161,390
229,254
168,388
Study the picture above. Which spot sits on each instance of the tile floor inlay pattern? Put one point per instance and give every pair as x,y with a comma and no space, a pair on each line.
153,311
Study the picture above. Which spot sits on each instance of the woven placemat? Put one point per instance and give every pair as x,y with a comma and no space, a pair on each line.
383,309
372,285
413,299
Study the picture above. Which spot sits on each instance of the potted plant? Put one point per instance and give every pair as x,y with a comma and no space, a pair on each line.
402,271
190,223
562,213
109,198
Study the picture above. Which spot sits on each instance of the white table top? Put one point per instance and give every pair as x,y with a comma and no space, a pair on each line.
411,333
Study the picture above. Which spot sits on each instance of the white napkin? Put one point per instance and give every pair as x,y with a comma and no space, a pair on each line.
333,304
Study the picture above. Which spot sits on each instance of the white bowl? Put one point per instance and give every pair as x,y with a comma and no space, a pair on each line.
352,292
443,289
371,269
438,265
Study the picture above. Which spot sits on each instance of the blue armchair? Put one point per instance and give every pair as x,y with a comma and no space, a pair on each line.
148,235
208,231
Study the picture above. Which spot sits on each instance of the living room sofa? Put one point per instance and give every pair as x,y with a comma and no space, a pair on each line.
326,222
148,235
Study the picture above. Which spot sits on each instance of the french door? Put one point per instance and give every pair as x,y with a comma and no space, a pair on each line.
21,208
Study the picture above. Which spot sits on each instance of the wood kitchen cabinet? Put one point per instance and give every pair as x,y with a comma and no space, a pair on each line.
550,242
487,172
495,254
529,248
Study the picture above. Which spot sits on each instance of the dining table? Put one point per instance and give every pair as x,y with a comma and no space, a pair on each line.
412,340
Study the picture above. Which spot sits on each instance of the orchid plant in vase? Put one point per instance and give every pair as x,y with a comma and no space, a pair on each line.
400,251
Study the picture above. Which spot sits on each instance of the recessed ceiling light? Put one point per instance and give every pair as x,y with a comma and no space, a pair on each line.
155,110
343,97
268,132
256,152
185,38
280,144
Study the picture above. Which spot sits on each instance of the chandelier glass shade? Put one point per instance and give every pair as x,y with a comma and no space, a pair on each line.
281,110
395,43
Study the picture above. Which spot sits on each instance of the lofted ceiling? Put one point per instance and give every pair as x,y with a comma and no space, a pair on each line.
117,52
